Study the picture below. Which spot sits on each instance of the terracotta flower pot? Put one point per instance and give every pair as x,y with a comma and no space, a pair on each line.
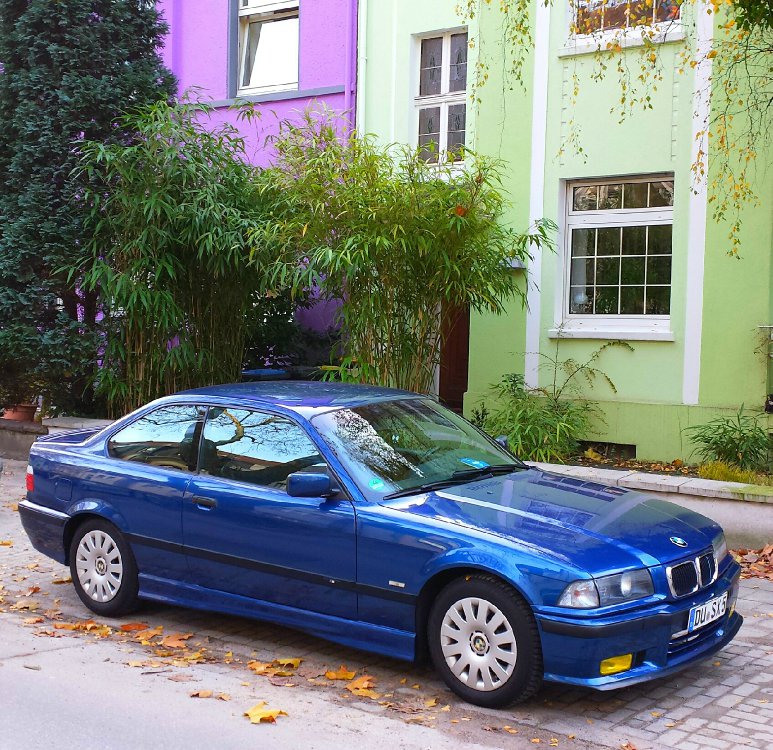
21,412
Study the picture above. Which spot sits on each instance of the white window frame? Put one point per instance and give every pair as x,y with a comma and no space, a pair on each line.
262,10
441,100
622,327
632,36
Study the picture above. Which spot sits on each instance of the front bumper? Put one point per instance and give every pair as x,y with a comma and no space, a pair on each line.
574,647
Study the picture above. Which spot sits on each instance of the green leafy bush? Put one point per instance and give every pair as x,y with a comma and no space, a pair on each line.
395,239
168,252
538,426
738,440
546,423
725,472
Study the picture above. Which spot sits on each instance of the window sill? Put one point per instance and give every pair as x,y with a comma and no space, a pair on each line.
587,44
613,333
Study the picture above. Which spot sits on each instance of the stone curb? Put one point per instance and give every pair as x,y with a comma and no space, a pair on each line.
637,480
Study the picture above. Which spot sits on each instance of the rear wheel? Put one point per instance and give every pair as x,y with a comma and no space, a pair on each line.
103,569
484,642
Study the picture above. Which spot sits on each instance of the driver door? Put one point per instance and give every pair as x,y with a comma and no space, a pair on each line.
244,534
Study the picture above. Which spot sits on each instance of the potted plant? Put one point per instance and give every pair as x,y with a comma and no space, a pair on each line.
21,377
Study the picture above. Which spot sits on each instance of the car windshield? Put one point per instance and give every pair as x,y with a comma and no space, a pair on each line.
393,446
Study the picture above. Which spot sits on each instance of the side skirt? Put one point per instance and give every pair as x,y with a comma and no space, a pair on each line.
398,644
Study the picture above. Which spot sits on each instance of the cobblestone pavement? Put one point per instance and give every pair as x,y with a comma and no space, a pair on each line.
725,702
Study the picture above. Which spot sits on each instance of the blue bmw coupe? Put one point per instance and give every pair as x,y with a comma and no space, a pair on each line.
381,520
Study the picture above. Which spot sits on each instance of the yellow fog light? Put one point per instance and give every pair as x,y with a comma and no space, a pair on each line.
616,664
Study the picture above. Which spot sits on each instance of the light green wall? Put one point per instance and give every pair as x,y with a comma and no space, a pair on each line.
648,408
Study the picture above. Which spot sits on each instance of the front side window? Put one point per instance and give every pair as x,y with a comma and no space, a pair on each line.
592,16
619,248
167,437
268,46
255,447
441,101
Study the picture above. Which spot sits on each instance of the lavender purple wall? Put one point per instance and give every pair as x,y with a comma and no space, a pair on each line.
198,50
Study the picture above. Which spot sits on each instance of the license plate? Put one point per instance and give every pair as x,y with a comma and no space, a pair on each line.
703,614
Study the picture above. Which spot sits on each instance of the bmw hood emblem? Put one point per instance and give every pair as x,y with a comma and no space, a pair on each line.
678,541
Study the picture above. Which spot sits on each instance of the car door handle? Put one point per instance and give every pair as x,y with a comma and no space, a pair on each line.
205,503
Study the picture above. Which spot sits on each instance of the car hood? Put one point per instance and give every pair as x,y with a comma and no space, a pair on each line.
597,528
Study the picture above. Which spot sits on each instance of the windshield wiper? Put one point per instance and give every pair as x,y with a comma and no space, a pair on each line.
458,477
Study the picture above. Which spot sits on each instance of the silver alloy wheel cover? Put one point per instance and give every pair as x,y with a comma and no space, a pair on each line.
99,566
478,644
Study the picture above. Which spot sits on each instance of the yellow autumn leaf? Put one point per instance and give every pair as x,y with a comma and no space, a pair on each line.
223,696
201,694
711,55
129,627
260,714
6,543
341,674
509,729
60,581
176,640
293,663
431,703
446,708
136,663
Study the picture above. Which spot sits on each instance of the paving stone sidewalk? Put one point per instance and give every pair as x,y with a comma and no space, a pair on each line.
725,702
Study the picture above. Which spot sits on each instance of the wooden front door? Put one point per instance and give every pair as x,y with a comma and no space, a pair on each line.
454,356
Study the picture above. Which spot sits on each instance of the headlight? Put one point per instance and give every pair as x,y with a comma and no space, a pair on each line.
720,548
621,587
624,587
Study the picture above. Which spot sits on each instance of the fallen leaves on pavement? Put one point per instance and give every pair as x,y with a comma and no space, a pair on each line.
259,714
756,563
6,543
129,627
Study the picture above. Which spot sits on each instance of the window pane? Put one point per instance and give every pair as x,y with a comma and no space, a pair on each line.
582,271
607,298
640,13
632,300
632,271
659,240
429,133
609,241
615,14
166,437
658,300
458,73
585,198
583,242
431,66
456,128
255,447
581,300
634,240
610,196
635,195
271,55
666,10
608,271
662,193
659,269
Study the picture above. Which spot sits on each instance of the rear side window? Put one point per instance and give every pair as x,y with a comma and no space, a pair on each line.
167,437
255,447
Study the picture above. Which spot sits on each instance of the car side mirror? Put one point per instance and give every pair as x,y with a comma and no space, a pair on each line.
503,441
308,484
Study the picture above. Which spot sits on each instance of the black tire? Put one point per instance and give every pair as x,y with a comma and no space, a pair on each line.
105,593
485,679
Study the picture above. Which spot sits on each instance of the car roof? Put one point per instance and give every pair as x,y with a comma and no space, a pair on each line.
302,395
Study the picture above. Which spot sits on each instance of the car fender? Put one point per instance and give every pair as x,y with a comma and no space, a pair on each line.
537,581
96,507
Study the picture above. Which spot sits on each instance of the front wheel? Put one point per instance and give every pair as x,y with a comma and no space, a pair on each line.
103,569
483,640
